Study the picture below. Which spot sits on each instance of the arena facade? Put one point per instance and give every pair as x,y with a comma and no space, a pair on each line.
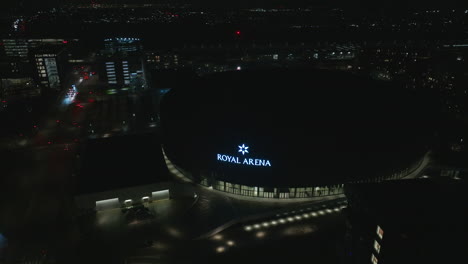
293,133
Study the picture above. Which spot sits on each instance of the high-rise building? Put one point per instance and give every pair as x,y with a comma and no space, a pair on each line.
47,60
20,47
124,72
16,48
122,45
123,63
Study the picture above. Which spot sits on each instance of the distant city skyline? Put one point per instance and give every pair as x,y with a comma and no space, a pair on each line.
359,4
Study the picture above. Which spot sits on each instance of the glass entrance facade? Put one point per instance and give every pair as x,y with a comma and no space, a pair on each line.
294,192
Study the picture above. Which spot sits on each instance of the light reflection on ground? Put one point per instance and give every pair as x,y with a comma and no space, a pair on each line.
300,230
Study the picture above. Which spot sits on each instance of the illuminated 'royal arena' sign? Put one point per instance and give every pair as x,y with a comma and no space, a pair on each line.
241,160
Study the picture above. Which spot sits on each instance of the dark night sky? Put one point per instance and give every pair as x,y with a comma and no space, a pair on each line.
358,7
394,4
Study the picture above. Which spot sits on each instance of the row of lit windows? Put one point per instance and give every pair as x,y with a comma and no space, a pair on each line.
299,192
24,50
45,55
377,246
283,193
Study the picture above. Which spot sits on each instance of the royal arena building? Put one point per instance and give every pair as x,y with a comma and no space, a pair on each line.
292,133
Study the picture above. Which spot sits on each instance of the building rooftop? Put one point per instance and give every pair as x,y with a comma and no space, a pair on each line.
424,220
120,162
48,49
412,199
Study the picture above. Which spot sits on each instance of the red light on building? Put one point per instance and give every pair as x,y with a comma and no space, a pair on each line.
65,41
238,33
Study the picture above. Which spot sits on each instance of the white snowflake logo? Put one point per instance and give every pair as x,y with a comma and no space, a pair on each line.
243,149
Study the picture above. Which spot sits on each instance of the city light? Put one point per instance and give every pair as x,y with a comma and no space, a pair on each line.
260,234
217,237
70,95
322,97
220,249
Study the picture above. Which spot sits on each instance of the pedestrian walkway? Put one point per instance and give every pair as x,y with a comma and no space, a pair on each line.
320,206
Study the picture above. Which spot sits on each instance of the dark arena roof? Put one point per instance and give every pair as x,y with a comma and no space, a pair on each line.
315,127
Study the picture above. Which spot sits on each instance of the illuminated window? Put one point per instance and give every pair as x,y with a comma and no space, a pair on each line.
377,246
374,259
380,232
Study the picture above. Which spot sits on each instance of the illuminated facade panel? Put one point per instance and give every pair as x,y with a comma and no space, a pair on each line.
379,232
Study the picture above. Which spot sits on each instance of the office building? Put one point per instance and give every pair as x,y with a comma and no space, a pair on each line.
49,62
